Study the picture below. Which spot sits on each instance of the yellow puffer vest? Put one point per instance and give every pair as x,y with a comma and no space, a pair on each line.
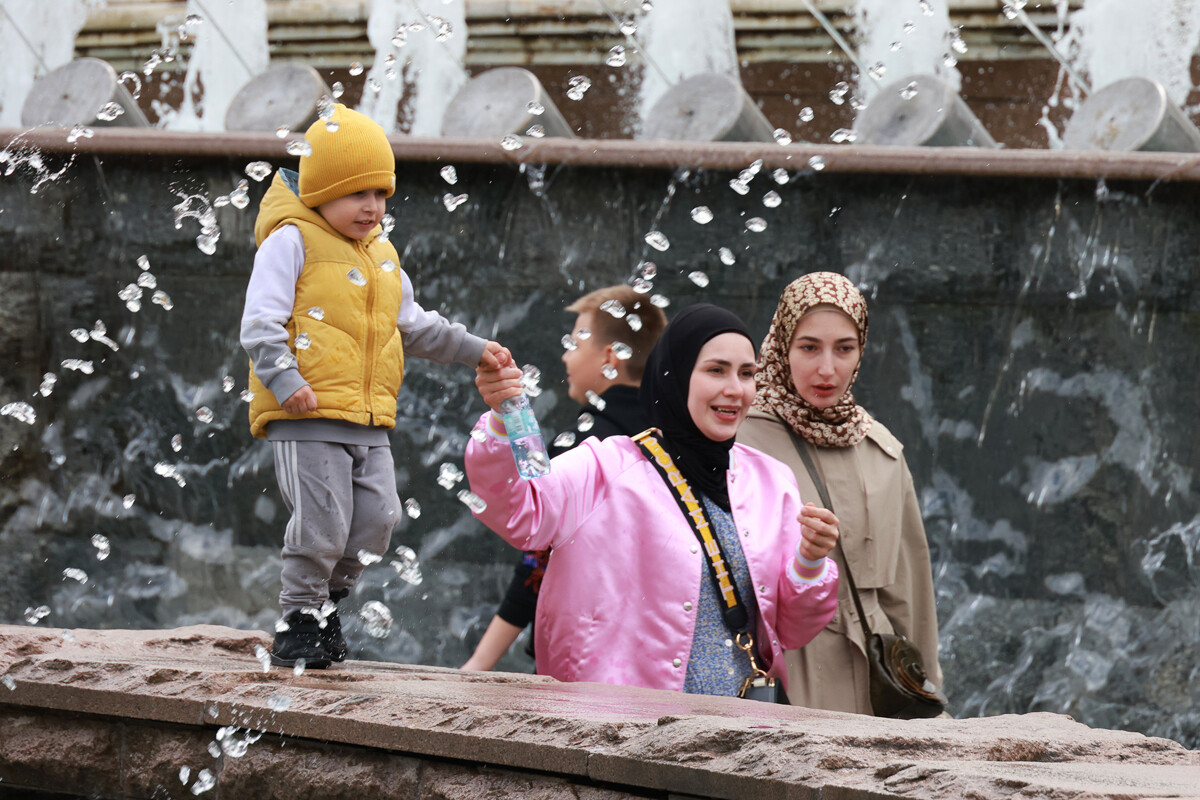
347,300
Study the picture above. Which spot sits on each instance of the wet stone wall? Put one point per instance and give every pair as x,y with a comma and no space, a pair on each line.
1034,343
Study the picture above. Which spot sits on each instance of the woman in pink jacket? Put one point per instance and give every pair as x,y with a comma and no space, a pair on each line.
630,594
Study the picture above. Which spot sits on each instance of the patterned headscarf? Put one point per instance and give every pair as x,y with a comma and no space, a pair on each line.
842,424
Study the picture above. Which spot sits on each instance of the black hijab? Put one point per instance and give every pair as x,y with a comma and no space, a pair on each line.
664,396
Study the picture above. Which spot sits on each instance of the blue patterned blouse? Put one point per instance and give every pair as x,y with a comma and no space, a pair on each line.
716,665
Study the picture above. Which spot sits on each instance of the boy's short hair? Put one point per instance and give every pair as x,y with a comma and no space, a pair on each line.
607,329
350,153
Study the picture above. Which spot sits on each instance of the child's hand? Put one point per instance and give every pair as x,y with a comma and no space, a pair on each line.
818,532
497,385
302,400
495,356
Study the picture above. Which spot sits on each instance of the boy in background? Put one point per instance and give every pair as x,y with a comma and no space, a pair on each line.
328,319
593,349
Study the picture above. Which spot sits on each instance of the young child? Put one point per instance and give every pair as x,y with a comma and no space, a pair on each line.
594,337
329,315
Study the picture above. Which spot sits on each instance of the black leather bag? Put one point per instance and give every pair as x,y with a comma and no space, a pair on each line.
899,687
898,684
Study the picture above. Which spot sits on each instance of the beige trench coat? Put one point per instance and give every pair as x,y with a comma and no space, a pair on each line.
882,534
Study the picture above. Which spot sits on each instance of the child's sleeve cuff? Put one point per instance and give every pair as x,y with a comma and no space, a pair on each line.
803,571
495,427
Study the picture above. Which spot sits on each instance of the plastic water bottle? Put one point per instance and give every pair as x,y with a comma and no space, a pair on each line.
525,437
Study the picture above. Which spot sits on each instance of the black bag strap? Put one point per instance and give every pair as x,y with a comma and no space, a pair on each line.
806,457
733,611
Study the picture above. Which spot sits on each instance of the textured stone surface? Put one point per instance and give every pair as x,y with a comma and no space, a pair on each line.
125,710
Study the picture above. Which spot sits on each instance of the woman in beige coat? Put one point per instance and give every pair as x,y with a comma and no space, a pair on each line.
806,368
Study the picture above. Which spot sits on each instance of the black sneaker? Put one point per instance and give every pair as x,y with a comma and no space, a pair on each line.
331,635
302,640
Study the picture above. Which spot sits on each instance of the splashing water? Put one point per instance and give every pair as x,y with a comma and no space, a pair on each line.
376,619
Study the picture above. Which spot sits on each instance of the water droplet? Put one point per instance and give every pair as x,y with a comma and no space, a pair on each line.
909,27
927,9
8,682
658,240
568,342
816,163
613,308
472,501
949,60
628,26
204,781
448,475
449,174
535,108
20,411
177,443
278,702
204,414
622,351
585,422
583,334
756,224
246,396
76,364
75,574
634,322
128,500
727,257
146,281
239,198
338,89
579,84
259,170
838,93
510,142
531,378
79,132
400,37
132,83
609,371
109,112
740,186
595,400
806,114
957,44
132,295
207,242
374,86
47,386
367,558
702,215
356,277
877,70
376,619
282,132
102,545
453,201
659,301
699,278
536,131
616,56
565,439
782,136
843,136
412,508
772,199
387,224
894,47
909,91
299,147
356,68
35,615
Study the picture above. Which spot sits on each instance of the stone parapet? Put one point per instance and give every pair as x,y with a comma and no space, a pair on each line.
144,714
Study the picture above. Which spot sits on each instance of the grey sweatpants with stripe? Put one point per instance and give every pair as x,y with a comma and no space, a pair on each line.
343,501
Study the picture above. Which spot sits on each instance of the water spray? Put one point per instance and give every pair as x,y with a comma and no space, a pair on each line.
24,39
1015,9
840,40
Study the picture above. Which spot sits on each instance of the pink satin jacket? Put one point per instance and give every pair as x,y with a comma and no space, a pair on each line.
619,598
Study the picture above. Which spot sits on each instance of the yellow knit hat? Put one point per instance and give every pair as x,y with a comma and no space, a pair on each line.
355,155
